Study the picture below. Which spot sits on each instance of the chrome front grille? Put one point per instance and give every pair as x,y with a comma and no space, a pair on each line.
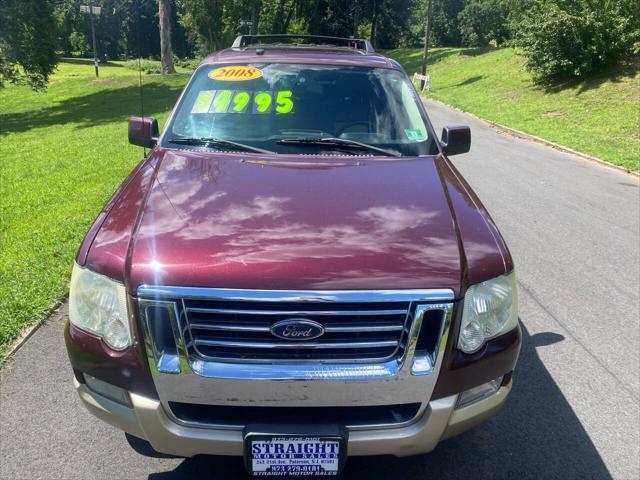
226,334
228,330
211,353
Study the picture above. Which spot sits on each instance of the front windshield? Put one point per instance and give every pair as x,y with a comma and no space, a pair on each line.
267,105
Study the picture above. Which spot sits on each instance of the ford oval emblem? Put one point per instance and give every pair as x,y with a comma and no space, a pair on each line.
297,329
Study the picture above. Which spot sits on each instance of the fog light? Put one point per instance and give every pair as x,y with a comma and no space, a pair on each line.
105,389
478,393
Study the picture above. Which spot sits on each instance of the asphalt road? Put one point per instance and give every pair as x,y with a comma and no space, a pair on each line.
573,228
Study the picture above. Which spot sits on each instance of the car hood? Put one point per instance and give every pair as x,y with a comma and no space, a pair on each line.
347,222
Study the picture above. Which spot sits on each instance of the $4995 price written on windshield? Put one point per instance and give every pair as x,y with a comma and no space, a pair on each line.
243,101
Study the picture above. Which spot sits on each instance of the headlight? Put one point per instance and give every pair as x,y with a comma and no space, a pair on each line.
98,305
490,309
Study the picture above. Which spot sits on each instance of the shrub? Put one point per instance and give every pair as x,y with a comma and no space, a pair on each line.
576,38
147,66
190,63
150,66
78,42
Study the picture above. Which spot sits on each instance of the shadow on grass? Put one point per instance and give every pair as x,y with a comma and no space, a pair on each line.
470,80
411,59
477,51
615,73
536,435
440,55
467,81
98,108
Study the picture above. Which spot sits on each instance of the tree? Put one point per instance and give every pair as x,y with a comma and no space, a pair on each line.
255,16
393,22
203,21
213,24
67,22
27,42
445,29
278,20
573,38
128,27
78,42
483,22
425,53
140,29
374,22
166,53
331,17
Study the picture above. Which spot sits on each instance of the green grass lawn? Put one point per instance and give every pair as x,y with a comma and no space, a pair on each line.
599,116
62,154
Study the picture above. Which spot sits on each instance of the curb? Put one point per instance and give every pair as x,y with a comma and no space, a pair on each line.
29,331
526,136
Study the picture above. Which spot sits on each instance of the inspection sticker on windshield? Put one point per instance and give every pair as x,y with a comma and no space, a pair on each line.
293,456
415,135
235,73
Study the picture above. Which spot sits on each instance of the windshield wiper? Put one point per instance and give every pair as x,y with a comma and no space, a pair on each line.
217,142
337,142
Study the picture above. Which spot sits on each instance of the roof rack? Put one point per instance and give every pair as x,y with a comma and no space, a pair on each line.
308,41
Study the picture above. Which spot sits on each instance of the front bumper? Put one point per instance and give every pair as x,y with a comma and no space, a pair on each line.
147,419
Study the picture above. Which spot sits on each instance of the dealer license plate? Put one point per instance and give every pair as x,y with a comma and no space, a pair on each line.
276,455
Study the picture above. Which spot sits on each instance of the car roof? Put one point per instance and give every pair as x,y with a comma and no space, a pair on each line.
327,56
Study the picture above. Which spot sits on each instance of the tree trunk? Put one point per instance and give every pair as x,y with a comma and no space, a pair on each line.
292,8
276,27
427,32
314,23
166,53
212,41
374,24
356,19
255,16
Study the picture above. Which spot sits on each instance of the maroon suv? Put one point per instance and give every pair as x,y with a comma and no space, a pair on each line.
296,272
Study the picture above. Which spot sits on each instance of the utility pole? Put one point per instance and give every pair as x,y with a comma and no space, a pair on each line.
93,34
91,10
427,31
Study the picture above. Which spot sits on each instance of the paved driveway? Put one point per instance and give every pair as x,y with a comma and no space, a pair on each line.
573,228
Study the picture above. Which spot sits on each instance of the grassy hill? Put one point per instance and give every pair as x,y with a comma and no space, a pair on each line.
599,116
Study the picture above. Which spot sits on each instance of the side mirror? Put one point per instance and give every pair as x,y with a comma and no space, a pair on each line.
456,139
143,131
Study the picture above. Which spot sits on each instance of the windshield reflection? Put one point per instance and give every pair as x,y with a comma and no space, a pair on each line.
375,106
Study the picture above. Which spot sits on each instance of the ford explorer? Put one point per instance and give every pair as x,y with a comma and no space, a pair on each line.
296,272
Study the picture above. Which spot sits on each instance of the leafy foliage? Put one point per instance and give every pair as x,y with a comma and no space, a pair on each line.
445,24
483,22
148,66
574,38
27,42
78,42
209,22
123,28
444,28
559,37
213,24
